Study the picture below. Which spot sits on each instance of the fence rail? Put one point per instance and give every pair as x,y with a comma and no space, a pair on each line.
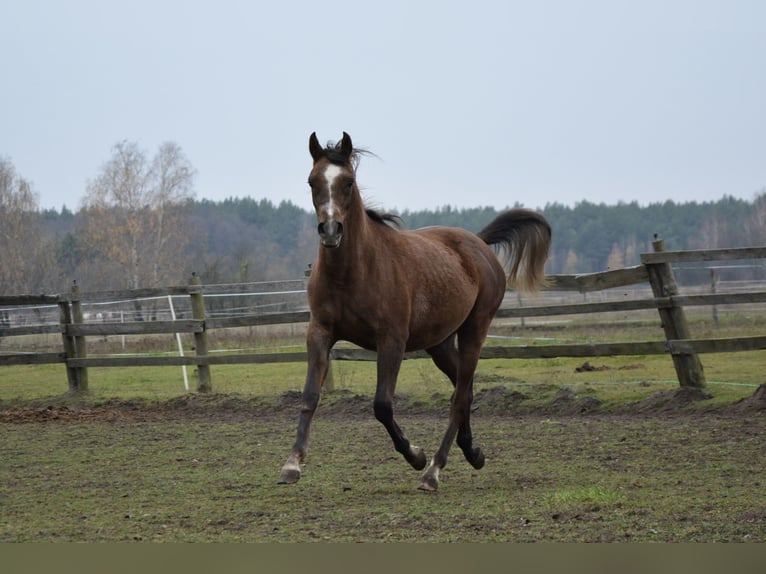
199,319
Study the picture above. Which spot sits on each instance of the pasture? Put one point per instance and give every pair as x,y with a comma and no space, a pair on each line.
611,453
180,473
608,451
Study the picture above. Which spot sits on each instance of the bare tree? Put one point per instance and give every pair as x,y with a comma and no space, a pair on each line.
570,266
755,226
174,177
24,257
713,233
136,212
616,259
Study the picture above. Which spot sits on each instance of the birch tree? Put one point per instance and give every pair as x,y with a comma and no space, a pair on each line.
137,211
24,258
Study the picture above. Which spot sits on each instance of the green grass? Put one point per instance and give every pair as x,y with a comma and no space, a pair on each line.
730,376
566,479
588,498
165,474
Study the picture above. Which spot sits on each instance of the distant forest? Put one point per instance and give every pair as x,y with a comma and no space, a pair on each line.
139,225
244,239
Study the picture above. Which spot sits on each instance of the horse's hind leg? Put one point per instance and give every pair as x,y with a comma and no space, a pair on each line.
469,348
389,361
446,357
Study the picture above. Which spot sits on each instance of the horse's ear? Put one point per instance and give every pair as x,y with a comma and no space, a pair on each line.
315,148
346,147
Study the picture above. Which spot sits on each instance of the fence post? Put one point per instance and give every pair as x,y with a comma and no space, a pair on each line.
80,346
65,319
714,289
200,339
688,366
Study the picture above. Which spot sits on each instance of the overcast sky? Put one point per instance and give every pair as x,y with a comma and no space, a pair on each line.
483,103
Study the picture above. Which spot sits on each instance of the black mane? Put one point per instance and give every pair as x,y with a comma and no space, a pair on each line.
384,218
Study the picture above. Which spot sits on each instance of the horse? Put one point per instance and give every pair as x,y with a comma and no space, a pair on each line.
392,290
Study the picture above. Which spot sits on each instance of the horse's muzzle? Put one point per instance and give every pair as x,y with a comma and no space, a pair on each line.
330,233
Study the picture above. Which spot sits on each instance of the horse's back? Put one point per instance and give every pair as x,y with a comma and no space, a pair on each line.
462,252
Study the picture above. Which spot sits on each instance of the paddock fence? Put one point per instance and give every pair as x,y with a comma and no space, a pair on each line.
197,310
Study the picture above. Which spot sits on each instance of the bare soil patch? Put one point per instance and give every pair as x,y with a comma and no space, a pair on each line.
197,470
497,400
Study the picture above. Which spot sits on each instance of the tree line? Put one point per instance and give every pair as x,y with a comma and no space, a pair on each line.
140,225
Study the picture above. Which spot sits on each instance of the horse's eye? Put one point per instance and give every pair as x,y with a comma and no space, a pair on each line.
351,184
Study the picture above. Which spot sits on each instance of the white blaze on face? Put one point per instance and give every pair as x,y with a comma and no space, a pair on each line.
331,173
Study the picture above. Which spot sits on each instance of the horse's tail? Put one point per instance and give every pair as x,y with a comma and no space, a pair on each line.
521,238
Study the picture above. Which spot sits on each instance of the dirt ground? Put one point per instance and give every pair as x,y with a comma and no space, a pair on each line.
204,468
495,401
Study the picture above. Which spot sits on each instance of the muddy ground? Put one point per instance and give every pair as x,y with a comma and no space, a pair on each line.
205,468
496,400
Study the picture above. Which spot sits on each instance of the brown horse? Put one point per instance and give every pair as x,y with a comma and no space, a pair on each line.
393,291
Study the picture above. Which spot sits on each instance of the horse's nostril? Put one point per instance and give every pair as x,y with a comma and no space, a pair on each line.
332,228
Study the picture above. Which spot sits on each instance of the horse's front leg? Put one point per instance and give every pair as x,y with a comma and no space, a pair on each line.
389,360
318,346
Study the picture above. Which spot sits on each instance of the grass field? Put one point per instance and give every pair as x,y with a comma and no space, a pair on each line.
208,478
730,375
610,453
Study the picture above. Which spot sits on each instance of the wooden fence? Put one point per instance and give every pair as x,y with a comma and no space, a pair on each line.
655,269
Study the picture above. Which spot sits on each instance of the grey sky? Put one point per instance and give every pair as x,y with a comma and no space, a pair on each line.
465,103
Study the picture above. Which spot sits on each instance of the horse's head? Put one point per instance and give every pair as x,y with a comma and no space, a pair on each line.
333,186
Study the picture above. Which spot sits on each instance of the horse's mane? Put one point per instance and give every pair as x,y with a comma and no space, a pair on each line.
385,218
334,155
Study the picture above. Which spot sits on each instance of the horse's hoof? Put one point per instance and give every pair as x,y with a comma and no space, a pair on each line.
417,458
478,459
429,484
290,476
430,480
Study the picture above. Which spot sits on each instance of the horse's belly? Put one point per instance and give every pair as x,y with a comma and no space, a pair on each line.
422,331
431,324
